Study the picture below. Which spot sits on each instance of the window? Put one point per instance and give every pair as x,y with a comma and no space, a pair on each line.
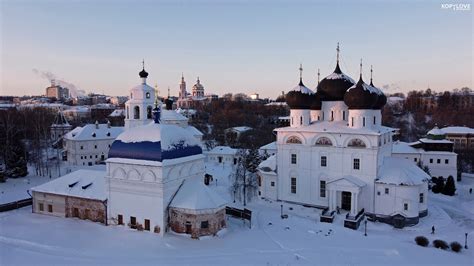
293,185
431,160
446,161
147,224
356,164
352,121
50,208
378,193
205,224
415,159
405,206
133,221
438,161
301,120
356,143
324,161
374,120
323,115
41,207
323,141
293,158
96,156
81,157
386,191
322,189
147,95
120,219
343,115
293,140
95,146
87,214
421,198
272,183
136,112
149,112
363,121
332,115
82,147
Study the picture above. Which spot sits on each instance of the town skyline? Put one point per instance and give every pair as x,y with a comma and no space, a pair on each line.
233,47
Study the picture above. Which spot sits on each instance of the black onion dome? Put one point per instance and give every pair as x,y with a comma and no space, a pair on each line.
316,102
381,100
143,74
361,96
334,86
299,97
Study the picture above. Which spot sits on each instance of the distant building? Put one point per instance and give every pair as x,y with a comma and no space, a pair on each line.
186,100
56,91
434,152
254,96
233,134
223,155
117,117
463,138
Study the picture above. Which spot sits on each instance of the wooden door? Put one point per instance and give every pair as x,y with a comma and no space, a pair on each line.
346,201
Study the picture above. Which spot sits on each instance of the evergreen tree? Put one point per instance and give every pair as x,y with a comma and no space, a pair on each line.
15,163
439,185
450,187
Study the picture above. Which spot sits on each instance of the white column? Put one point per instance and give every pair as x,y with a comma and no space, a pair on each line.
352,204
356,205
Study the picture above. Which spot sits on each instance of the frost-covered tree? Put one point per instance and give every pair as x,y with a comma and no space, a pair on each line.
245,183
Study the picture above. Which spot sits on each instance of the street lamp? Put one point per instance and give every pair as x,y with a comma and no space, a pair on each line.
281,211
465,242
365,222
235,190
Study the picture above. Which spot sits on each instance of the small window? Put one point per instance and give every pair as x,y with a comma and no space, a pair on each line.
356,164
95,146
293,158
438,161
332,115
363,121
50,208
96,156
431,160
81,157
109,145
293,185
147,224
323,161
301,120
343,115
204,224
272,183
90,156
374,120
446,161
82,147
322,189
422,199
415,159
133,220
387,191
120,219
41,207
405,206
378,193
148,95
352,121
94,135
293,140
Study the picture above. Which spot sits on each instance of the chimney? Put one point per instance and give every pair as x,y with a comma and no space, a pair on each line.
108,123
96,124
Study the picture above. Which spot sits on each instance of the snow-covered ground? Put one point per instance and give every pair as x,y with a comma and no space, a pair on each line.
27,238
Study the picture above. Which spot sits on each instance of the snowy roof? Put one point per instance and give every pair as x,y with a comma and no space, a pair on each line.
88,184
171,115
269,164
302,88
458,130
337,127
269,146
225,150
426,140
367,87
193,131
394,99
194,195
403,147
91,132
436,131
240,129
276,104
118,112
336,75
398,171
155,142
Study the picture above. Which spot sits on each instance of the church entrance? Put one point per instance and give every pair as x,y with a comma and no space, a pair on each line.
346,200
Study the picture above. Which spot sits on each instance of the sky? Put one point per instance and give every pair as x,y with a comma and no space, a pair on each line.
233,46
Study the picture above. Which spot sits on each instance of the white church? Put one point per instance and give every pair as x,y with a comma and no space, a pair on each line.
337,155
153,179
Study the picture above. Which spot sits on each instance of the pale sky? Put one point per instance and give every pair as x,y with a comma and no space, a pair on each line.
233,46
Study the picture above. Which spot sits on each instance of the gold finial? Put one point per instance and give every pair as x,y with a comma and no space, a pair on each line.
371,72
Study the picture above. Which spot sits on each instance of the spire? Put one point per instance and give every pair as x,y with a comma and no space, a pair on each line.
198,81
361,68
319,75
371,72
143,64
337,53
182,77
168,92
301,74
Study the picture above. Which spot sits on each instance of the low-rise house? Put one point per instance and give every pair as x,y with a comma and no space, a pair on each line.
223,155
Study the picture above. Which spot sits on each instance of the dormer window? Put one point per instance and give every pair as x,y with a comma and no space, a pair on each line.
147,95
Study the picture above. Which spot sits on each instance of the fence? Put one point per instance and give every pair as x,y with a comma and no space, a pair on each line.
16,205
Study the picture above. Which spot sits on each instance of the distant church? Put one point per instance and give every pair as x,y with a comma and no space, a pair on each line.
337,155
153,180
186,100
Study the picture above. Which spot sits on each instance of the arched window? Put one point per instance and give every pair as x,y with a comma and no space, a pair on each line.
136,112
357,143
293,140
323,141
148,112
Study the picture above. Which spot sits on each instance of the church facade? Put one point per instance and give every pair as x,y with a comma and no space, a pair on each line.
337,155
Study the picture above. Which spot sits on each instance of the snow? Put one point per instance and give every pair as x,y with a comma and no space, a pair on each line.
426,140
194,195
303,89
367,87
436,131
276,104
458,130
240,129
223,150
155,163
340,76
86,132
169,135
269,146
65,185
171,115
117,112
395,99
33,239
399,171
352,179
269,164
403,147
